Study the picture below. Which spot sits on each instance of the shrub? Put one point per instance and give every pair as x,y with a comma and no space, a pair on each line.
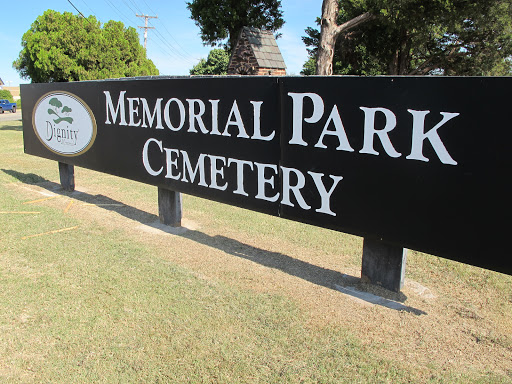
6,94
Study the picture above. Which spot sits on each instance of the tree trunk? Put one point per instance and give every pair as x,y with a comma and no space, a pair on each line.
405,53
399,64
329,32
393,66
328,37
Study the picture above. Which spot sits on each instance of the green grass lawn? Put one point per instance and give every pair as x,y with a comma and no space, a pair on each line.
95,304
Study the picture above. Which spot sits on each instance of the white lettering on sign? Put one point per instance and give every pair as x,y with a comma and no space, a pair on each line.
118,110
313,123
167,114
372,132
298,114
179,166
339,132
135,112
419,135
149,117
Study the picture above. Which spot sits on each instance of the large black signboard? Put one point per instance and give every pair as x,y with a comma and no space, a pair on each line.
419,162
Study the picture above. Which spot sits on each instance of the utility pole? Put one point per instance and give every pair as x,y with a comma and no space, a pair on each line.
145,27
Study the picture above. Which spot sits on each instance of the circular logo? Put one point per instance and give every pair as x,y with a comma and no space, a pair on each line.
64,123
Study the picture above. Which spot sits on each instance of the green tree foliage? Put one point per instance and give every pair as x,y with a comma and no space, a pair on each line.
417,37
216,64
6,94
67,47
223,19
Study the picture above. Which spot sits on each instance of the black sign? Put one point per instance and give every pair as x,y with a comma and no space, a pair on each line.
419,162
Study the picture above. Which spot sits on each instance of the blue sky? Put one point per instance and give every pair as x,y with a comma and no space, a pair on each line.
174,46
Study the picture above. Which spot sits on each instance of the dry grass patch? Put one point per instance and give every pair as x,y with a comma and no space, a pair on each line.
238,297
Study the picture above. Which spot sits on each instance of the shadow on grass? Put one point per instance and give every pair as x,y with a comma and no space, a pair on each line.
349,285
8,127
28,178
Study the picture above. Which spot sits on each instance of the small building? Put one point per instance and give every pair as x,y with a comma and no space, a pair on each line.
256,53
1,83
15,92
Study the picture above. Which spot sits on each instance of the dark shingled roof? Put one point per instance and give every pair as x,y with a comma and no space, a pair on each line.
265,48
1,82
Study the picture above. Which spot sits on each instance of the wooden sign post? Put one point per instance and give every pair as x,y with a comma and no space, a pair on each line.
67,176
169,207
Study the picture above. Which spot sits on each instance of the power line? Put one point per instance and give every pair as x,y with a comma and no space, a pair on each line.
97,18
145,27
176,41
173,49
130,23
118,11
128,5
186,55
163,43
166,50
147,5
137,7
81,14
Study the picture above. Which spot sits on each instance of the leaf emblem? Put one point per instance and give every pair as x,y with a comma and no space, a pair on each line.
57,104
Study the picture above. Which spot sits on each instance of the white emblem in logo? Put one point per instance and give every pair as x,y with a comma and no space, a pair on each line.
64,123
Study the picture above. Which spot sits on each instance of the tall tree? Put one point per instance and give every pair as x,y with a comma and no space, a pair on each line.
223,19
216,64
330,30
66,47
417,37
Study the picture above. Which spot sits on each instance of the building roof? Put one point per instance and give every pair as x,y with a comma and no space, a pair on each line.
264,47
1,82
